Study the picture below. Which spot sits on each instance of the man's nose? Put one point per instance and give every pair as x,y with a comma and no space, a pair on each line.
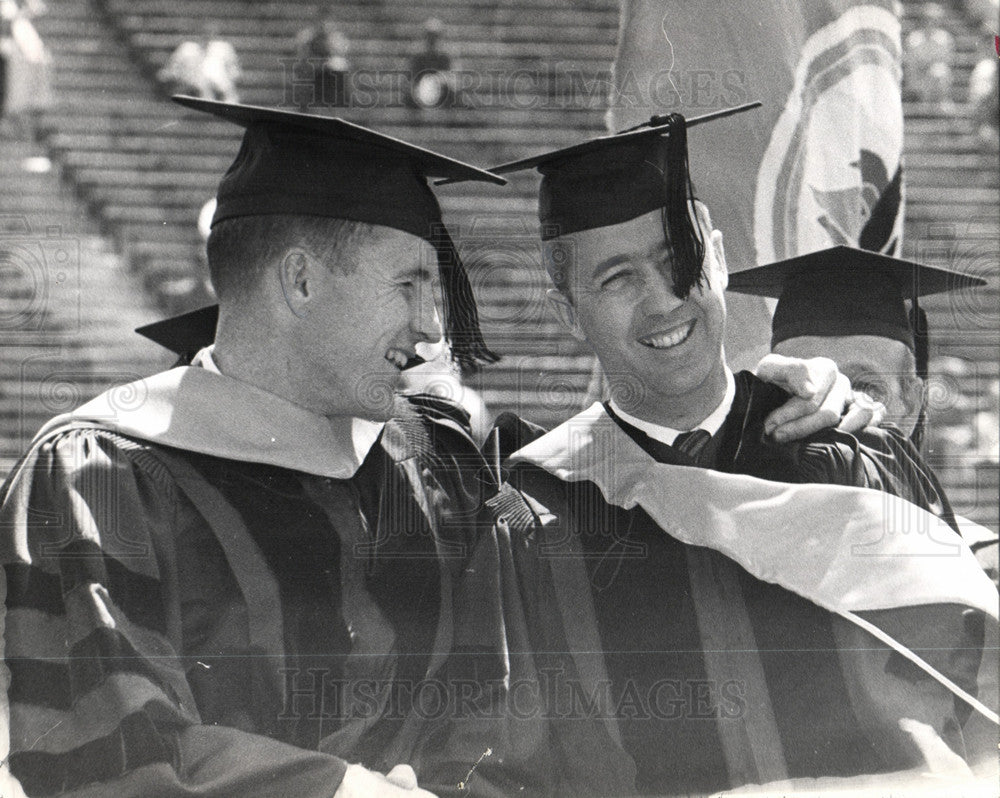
425,321
658,293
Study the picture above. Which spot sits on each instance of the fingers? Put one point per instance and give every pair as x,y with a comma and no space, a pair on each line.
939,757
800,417
402,776
863,411
804,378
359,782
838,397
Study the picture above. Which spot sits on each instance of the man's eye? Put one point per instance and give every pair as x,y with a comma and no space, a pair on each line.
875,388
616,279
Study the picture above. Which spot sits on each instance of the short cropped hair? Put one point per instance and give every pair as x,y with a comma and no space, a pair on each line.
241,249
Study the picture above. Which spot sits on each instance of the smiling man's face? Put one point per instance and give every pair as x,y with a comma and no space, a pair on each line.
663,356
361,327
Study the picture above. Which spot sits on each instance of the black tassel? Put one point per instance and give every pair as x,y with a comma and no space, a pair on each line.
918,325
461,317
921,359
683,234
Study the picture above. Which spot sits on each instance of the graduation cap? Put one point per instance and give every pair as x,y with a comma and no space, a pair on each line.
847,291
306,165
612,179
184,334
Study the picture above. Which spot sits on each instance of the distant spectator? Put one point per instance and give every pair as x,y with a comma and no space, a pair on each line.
984,97
928,55
208,69
7,10
321,50
220,67
432,82
182,73
25,64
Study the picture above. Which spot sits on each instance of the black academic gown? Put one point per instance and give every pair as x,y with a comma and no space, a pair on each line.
183,621
720,679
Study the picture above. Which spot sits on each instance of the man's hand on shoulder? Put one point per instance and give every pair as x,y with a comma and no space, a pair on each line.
821,398
359,782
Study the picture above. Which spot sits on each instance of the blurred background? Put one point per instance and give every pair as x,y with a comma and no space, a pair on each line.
104,182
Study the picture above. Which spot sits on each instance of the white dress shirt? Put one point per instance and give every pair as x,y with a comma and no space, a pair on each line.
711,423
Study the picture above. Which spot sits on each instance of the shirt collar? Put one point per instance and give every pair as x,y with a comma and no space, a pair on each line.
363,433
711,423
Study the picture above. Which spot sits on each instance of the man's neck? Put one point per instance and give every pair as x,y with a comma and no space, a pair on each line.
682,412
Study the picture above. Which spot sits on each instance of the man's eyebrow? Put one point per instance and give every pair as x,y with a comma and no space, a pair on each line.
863,367
608,264
421,272
658,250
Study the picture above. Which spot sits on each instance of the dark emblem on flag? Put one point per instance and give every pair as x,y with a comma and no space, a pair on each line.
864,215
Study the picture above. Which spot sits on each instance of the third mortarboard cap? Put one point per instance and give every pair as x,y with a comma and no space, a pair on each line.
612,179
846,291
306,165
184,334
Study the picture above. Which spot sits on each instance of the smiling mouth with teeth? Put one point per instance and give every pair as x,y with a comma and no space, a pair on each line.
401,360
669,338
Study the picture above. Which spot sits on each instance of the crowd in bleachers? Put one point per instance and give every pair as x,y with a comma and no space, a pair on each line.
929,63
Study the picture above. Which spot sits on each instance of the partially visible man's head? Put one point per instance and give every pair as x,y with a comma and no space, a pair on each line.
848,304
884,368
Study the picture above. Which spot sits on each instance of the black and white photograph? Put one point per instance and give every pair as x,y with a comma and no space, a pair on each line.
502,398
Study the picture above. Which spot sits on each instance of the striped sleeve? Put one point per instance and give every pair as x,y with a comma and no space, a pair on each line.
97,696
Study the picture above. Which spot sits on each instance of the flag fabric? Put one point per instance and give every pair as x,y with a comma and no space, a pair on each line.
818,165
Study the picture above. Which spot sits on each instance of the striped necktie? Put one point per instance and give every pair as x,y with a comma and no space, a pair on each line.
693,443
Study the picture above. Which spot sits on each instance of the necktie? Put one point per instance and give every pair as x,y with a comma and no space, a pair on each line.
692,443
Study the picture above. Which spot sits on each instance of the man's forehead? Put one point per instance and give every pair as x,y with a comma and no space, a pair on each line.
395,252
642,235
867,351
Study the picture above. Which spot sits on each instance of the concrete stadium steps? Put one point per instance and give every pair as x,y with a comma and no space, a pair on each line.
357,16
67,304
145,166
953,218
486,53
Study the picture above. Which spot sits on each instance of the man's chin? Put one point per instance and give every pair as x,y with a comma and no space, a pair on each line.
375,395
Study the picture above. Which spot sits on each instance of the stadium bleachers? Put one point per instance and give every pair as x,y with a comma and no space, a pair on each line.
144,167
953,218
66,298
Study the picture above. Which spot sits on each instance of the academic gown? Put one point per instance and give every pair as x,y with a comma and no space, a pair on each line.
721,672
212,592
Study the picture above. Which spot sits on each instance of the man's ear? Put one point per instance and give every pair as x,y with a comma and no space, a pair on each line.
294,275
565,312
713,240
722,268
913,394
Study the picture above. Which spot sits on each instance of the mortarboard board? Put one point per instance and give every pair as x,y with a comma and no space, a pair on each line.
307,165
848,291
184,334
612,179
